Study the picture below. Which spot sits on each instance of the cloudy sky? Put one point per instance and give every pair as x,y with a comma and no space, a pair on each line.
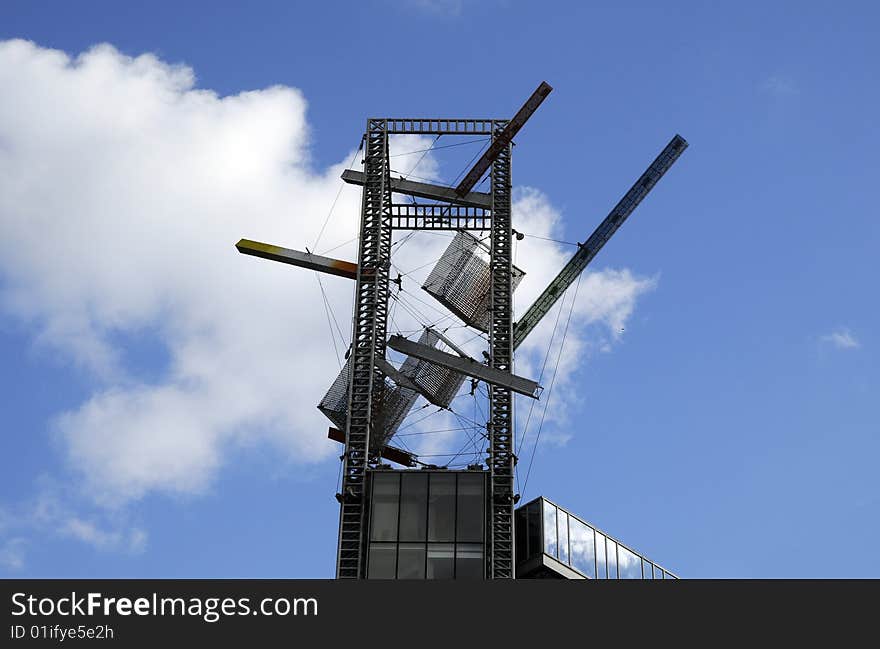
714,398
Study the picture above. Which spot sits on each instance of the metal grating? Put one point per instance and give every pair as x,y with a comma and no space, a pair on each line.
439,384
460,280
392,405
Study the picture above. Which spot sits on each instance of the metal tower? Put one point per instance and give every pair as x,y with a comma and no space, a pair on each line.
370,397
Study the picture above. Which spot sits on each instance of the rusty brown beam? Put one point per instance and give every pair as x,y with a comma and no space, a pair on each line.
389,452
503,139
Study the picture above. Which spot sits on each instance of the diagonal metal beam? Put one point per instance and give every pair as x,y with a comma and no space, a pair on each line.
296,258
589,249
426,190
503,139
467,366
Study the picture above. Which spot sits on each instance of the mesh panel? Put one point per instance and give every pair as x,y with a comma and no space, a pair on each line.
436,382
460,280
392,405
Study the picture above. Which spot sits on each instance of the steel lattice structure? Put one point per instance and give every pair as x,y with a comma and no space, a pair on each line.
370,397
367,383
368,343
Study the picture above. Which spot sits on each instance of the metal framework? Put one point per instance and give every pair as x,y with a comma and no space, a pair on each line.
501,431
363,403
368,343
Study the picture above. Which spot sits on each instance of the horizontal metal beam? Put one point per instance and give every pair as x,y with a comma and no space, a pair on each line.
437,216
467,366
504,138
425,190
296,258
417,126
390,453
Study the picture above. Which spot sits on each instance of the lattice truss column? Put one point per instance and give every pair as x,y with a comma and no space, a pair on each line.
368,343
501,433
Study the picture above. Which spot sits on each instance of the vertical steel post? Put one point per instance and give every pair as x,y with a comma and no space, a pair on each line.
368,343
501,435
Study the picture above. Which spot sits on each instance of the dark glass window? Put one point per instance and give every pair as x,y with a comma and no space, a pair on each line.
441,507
470,507
468,561
413,506
411,561
383,514
534,527
521,547
382,561
441,561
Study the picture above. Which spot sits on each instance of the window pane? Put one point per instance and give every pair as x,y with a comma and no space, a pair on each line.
413,506
646,569
628,564
441,507
441,560
535,545
468,561
600,556
521,551
562,527
549,529
411,561
582,542
470,507
612,558
382,560
384,511
669,576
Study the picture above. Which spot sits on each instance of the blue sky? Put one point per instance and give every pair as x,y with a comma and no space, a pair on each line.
730,431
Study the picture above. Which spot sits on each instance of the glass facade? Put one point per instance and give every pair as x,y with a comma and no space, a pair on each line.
427,525
545,530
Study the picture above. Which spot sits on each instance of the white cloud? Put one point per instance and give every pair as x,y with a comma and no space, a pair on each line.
133,540
841,338
54,512
123,188
12,554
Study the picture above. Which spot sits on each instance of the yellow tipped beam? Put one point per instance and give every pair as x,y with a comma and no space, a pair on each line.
296,258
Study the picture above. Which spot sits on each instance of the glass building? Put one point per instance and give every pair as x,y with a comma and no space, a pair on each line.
427,525
431,524
554,543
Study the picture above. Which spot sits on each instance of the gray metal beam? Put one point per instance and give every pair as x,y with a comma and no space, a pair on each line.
503,139
445,126
296,258
467,366
425,190
439,216
396,375
589,249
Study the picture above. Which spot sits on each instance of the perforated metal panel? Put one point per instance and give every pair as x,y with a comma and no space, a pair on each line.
460,280
392,405
437,383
